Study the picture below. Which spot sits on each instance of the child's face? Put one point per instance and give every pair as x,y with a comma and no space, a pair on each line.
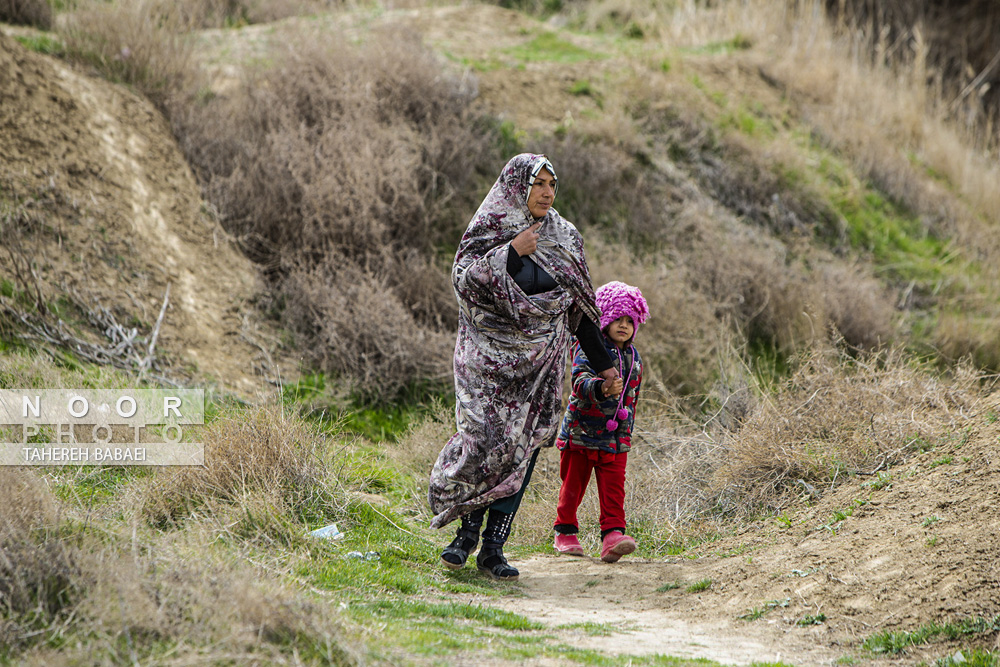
621,330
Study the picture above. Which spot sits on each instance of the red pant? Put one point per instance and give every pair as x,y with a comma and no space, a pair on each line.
575,466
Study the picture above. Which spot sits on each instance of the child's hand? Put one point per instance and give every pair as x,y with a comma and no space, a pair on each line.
613,388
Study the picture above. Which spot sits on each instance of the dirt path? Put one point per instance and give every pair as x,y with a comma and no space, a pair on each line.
638,620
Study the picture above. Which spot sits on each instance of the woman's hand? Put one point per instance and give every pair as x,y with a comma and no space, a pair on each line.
612,382
526,242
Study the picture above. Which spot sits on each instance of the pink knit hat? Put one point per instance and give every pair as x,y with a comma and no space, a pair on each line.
616,299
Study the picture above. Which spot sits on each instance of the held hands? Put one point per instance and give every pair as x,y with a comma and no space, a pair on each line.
526,242
613,387
612,382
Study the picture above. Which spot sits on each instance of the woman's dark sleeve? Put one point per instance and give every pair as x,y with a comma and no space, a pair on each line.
514,262
591,340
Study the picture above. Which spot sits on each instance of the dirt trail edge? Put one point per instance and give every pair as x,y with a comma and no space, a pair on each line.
564,592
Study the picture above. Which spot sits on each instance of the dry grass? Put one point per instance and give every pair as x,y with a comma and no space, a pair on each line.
38,573
143,43
960,39
134,599
80,585
682,338
230,13
833,418
262,460
879,116
35,13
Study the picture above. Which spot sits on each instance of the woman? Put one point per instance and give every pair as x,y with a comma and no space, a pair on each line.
523,288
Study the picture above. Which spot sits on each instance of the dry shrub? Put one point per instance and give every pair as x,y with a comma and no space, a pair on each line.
354,324
226,13
58,584
336,149
35,13
858,308
258,457
832,419
340,171
765,298
679,343
208,609
603,183
958,336
139,42
38,572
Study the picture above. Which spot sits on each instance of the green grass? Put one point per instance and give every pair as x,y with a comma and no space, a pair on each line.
581,87
754,613
699,586
896,642
811,619
969,658
590,628
314,397
44,43
549,47
737,43
882,480
841,515
751,122
669,586
408,609
94,485
943,461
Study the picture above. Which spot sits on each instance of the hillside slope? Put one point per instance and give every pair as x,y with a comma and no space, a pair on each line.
121,216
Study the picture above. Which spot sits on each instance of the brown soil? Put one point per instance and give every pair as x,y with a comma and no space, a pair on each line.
124,216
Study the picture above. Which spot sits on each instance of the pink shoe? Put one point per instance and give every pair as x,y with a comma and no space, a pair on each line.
569,545
616,545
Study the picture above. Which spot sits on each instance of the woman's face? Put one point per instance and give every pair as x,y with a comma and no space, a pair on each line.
542,193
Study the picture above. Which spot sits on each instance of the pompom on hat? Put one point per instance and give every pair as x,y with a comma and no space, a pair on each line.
616,299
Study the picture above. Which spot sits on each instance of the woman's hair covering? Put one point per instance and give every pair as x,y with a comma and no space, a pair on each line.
504,214
617,299
537,167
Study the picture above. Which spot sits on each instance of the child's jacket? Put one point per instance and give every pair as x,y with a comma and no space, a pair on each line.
585,424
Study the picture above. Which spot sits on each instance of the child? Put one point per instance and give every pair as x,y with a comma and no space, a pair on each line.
596,431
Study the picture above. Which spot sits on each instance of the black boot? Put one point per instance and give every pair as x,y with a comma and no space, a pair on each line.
465,542
491,559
